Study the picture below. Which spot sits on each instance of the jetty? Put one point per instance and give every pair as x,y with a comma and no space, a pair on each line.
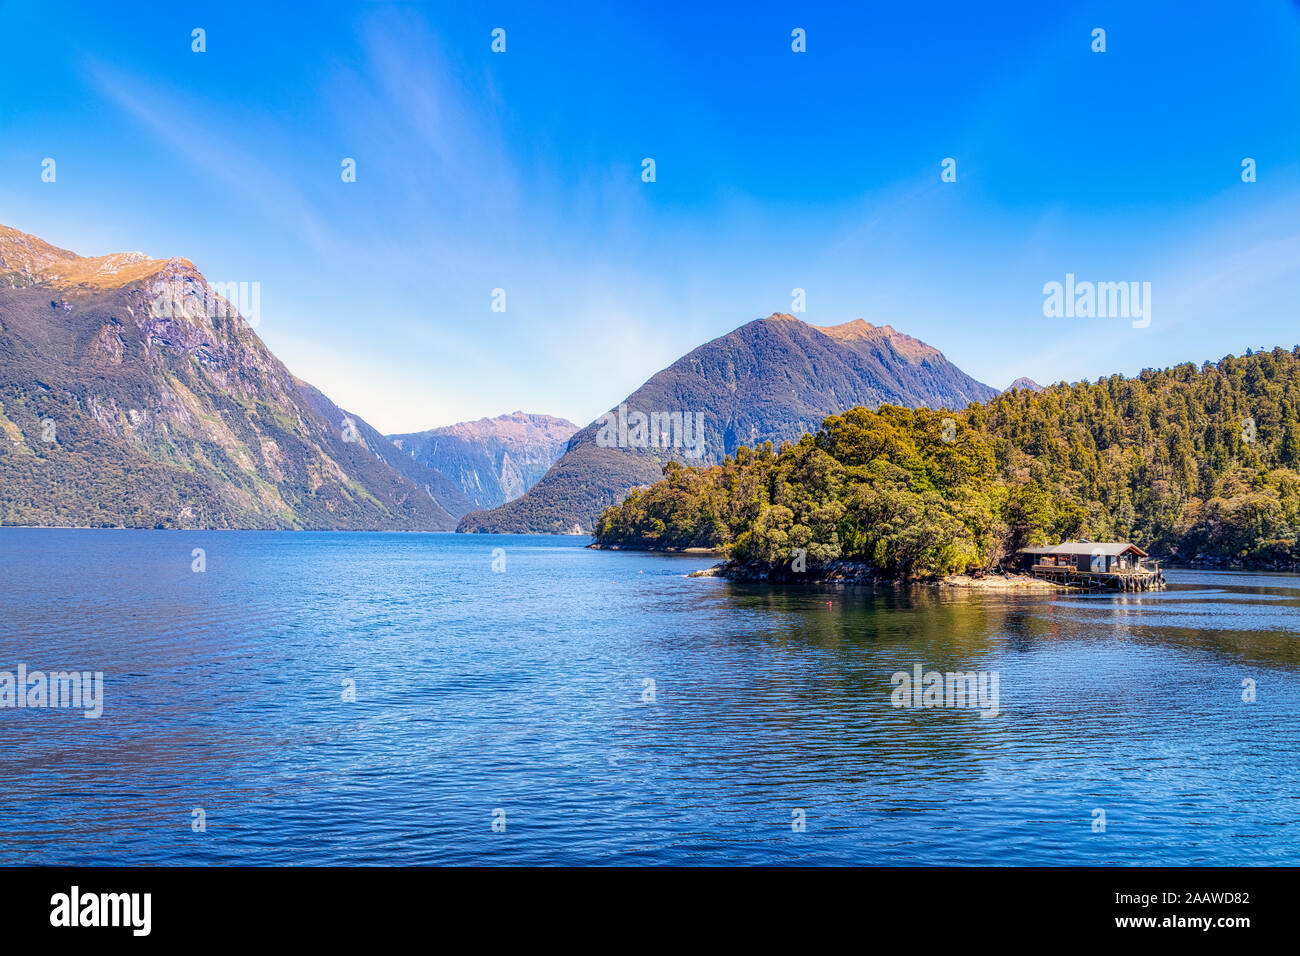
1092,566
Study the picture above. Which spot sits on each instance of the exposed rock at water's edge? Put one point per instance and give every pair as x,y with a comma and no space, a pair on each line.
859,573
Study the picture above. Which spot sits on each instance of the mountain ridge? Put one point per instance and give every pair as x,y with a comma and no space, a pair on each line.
494,460
770,379
149,374
133,394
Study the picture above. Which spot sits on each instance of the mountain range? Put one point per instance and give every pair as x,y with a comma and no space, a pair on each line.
771,379
133,393
493,460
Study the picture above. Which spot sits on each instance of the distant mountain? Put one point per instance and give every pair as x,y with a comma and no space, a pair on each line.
132,393
1026,383
493,460
769,380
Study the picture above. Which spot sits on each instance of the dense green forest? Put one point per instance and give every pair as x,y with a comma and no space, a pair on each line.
1199,465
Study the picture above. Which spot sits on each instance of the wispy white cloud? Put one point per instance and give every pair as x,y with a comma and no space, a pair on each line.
211,142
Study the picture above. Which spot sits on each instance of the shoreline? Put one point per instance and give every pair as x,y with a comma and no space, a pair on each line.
1229,565
597,546
844,572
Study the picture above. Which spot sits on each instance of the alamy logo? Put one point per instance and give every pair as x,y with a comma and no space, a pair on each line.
626,429
192,299
79,690
74,908
1098,300
957,689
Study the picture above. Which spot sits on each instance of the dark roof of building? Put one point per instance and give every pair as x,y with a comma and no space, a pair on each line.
1108,548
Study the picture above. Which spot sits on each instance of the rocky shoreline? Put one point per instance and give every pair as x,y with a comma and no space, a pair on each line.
859,573
597,546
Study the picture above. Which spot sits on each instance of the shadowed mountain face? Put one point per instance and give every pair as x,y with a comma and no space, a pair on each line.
132,394
493,460
772,379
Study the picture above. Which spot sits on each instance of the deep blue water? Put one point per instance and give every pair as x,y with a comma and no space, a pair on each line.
522,691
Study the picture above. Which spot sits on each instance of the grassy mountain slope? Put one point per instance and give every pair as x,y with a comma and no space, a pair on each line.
132,394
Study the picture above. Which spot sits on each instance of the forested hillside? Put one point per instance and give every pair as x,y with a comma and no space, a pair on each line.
1195,464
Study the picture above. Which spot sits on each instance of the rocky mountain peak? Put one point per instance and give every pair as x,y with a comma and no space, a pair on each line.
862,331
1025,383
27,260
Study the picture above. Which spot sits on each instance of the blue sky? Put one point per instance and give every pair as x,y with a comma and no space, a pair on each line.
775,170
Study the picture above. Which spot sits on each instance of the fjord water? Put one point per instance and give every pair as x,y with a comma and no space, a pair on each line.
523,690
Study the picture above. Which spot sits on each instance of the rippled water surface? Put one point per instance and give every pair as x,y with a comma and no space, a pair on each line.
523,692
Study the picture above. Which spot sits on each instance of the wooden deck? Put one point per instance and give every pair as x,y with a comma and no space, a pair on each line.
1131,579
